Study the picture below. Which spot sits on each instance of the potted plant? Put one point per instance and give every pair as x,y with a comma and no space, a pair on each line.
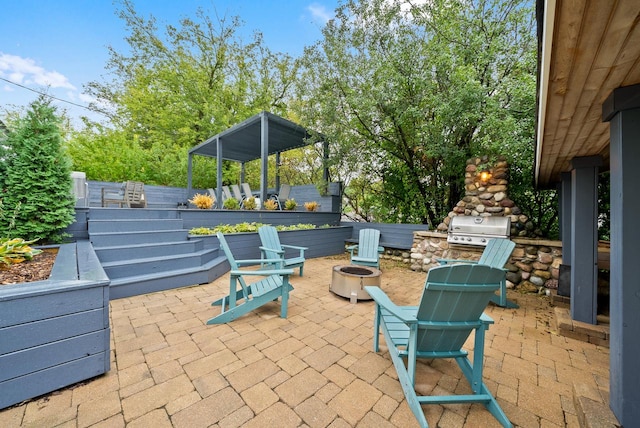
290,205
204,202
311,206
249,204
270,205
231,204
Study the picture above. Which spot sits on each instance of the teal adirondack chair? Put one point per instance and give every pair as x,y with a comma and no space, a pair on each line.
368,249
272,249
451,307
495,254
251,296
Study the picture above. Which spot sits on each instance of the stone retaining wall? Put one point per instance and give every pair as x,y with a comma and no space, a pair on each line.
534,263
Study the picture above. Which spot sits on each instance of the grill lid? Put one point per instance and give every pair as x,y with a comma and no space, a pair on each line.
474,230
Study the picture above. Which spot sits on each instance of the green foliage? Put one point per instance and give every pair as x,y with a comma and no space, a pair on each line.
16,250
249,203
173,88
290,204
247,227
406,96
37,186
231,204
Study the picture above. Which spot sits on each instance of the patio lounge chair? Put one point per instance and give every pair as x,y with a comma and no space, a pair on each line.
272,249
274,285
282,196
368,249
237,194
452,305
495,254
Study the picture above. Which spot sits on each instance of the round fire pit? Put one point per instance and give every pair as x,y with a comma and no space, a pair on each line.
349,281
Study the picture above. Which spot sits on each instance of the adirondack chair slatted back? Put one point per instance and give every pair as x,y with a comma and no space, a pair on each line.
270,241
454,294
230,258
497,252
368,242
134,194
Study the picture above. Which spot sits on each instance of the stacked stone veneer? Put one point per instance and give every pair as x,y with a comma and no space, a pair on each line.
534,263
487,195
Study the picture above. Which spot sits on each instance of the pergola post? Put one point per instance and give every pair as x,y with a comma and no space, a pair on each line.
264,156
189,173
584,238
219,173
277,172
622,110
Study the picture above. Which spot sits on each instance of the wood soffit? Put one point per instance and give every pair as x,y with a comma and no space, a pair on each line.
595,48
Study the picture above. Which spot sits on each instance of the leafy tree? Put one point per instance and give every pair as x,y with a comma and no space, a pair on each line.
408,94
37,181
175,88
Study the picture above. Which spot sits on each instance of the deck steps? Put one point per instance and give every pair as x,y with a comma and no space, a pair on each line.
147,254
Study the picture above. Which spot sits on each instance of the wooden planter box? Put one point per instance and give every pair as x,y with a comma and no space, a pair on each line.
54,333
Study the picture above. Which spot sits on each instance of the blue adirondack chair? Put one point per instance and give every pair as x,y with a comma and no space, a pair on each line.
368,249
495,254
452,305
251,296
272,249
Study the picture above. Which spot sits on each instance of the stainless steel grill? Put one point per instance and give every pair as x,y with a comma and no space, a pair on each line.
471,230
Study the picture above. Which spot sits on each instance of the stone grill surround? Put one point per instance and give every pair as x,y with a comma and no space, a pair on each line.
488,196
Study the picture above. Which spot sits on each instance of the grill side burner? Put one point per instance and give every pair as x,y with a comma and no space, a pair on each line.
473,230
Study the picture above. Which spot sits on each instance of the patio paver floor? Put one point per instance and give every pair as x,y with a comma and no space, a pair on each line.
316,368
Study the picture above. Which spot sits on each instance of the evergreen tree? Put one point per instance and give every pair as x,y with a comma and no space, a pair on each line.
37,183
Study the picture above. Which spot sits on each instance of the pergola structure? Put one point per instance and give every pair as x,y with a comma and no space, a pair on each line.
255,138
589,121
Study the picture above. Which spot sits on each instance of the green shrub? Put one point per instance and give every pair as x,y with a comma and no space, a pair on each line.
249,204
37,185
231,204
245,227
290,205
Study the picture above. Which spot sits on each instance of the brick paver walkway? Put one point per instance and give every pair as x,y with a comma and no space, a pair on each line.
316,368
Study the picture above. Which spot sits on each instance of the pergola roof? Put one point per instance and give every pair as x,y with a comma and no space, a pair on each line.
588,50
241,142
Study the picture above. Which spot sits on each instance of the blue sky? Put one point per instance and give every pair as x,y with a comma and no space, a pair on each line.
62,44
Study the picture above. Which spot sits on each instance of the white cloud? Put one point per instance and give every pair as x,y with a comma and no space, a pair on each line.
320,12
25,71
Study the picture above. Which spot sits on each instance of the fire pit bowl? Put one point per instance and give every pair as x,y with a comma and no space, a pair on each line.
349,281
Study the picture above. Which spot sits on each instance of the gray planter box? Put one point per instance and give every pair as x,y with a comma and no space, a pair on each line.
321,242
55,333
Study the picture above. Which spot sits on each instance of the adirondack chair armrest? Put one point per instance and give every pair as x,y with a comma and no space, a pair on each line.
448,261
382,300
283,272
257,261
380,249
486,319
294,247
271,249
352,248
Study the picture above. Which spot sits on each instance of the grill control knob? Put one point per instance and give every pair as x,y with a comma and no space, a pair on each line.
455,238
469,239
483,240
